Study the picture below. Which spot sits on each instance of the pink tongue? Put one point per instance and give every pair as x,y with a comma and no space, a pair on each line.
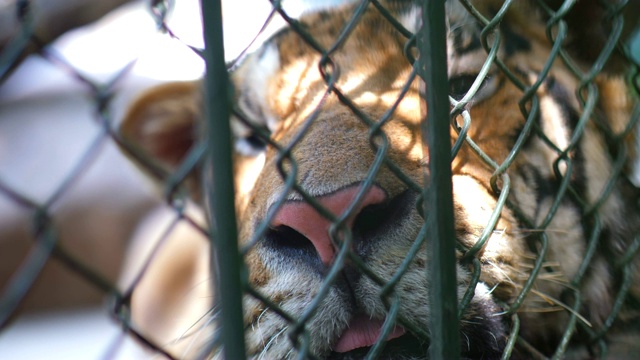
364,332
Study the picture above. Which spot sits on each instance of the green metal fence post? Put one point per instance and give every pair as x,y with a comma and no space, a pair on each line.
224,253
438,194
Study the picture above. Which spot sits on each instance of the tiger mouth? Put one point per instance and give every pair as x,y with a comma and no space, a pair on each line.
405,346
482,339
364,332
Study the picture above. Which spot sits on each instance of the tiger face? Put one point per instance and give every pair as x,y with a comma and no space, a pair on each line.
348,124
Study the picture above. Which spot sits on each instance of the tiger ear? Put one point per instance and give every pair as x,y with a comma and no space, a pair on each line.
160,128
163,122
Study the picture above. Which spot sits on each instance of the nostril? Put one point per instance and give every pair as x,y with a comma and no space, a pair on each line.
376,219
290,243
369,219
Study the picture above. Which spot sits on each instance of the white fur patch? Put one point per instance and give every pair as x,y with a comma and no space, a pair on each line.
254,77
412,19
553,125
268,65
482,293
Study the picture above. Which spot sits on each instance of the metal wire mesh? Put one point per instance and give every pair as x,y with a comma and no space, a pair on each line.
46,244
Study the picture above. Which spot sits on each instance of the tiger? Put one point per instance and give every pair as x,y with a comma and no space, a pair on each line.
549,230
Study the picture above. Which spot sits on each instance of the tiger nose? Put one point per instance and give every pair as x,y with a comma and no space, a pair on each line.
307,221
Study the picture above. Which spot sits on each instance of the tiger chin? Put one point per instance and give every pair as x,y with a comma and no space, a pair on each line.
281,90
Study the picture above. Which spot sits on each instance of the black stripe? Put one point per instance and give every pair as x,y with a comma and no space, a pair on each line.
546,186
513,42
570,116
464,41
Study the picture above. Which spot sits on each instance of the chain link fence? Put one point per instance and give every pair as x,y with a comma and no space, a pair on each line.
615,53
